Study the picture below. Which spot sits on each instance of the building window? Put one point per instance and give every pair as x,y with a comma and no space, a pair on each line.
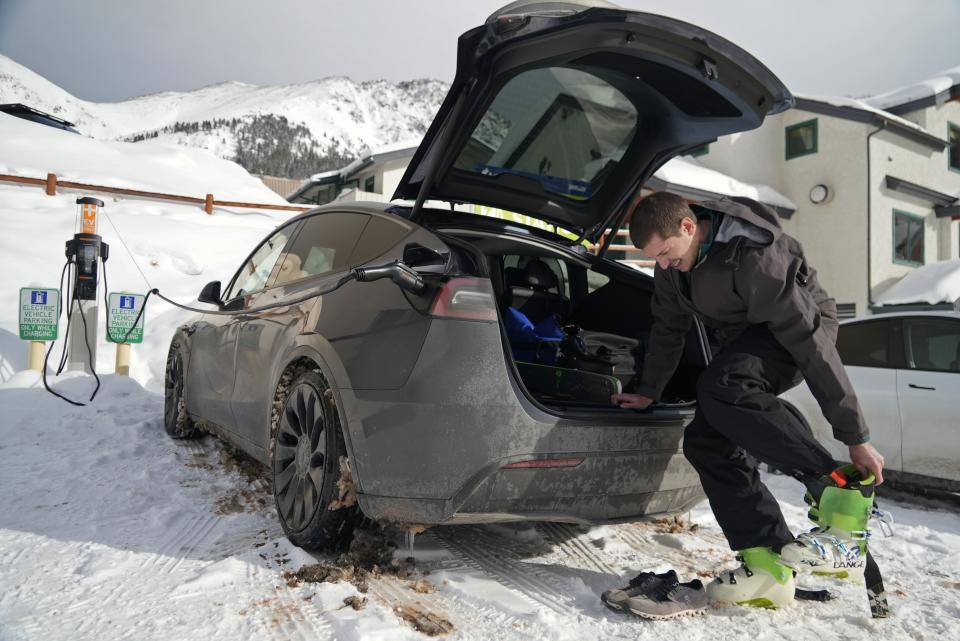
953,151
801,139
369,184
907,238
702,150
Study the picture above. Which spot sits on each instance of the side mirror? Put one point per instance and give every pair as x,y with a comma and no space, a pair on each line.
424,260
211,293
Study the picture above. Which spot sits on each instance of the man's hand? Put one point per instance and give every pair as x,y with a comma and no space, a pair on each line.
631,401
866,457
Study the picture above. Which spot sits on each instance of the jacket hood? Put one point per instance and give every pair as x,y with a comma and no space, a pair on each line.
762,219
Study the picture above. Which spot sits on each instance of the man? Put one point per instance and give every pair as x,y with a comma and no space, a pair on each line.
729,263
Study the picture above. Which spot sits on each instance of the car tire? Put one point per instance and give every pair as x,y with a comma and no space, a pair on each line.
176,421
308,457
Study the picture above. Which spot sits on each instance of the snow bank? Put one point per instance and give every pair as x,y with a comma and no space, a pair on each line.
932,284
34,150
175,247
686,172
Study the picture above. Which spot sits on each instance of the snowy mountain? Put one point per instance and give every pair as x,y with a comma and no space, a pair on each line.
291,130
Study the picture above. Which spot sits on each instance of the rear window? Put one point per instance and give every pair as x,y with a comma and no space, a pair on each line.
565,128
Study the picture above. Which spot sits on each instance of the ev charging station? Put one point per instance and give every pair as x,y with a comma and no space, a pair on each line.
84,250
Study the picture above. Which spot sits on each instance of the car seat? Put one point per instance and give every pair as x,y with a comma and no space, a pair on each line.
534,290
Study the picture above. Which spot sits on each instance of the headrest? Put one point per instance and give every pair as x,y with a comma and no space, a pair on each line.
537,275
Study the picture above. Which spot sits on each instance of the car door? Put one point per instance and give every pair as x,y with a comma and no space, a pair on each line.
928,389
871,352
327,246
215,340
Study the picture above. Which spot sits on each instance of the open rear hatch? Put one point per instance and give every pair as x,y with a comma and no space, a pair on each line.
560,110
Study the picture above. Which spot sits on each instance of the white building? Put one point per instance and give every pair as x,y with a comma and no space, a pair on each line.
876,182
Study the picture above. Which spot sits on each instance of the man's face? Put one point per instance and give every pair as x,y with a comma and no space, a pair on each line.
679,251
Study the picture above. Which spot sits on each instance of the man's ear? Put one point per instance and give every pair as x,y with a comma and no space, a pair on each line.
687,226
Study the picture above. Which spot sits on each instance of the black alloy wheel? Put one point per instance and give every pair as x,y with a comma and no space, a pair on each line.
299,456
175,419
306,451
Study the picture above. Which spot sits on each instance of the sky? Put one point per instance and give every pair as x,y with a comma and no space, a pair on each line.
109,50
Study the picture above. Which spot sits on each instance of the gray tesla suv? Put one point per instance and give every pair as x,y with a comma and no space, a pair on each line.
379,359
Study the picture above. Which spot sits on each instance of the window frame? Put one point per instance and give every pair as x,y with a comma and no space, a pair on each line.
816,139
893,239
953,127
908,348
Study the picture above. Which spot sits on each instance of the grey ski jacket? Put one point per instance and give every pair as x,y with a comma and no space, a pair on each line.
754,274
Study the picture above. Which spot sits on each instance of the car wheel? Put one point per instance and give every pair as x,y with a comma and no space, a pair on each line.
306,451
175,418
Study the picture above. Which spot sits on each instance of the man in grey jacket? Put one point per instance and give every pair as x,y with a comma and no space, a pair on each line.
729,263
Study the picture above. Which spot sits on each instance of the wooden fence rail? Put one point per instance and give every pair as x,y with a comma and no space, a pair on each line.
51,183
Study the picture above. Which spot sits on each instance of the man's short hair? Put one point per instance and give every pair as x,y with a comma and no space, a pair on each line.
659,214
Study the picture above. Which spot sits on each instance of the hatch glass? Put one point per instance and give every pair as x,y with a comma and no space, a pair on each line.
563,127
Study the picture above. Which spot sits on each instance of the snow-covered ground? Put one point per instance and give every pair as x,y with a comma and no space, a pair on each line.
109,530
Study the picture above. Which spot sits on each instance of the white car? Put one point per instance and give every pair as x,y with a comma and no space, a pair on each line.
905,368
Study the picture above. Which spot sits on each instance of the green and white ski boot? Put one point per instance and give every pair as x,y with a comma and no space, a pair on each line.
838,546
762,581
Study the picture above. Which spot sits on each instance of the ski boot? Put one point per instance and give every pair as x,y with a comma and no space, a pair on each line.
762,581
838,546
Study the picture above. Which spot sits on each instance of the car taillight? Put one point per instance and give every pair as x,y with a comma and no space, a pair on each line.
544,463
469,298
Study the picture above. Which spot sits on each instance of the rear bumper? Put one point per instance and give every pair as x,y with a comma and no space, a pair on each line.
434,450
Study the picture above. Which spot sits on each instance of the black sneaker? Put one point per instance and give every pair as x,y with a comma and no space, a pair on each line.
669,600
643,582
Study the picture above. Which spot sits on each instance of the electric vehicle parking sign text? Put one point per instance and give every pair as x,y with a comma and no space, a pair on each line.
122,310
39,314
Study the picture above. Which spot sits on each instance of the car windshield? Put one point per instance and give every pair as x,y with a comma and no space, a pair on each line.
564,128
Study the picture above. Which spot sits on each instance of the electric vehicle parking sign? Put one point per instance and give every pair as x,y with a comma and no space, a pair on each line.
39,314
122,310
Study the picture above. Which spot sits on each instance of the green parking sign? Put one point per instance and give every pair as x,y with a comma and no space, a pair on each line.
122,310
39,313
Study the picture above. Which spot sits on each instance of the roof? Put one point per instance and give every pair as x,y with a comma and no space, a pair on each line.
860,111
933,91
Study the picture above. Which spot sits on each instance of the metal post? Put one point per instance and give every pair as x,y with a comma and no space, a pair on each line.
123,359
35,354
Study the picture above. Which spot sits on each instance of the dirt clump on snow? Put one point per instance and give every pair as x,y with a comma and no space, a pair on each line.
241,501
236,461
423,586
675,524
426,622
370,556
356,602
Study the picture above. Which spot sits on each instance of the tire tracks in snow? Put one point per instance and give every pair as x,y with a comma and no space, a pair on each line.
484,553
293,617
567,540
